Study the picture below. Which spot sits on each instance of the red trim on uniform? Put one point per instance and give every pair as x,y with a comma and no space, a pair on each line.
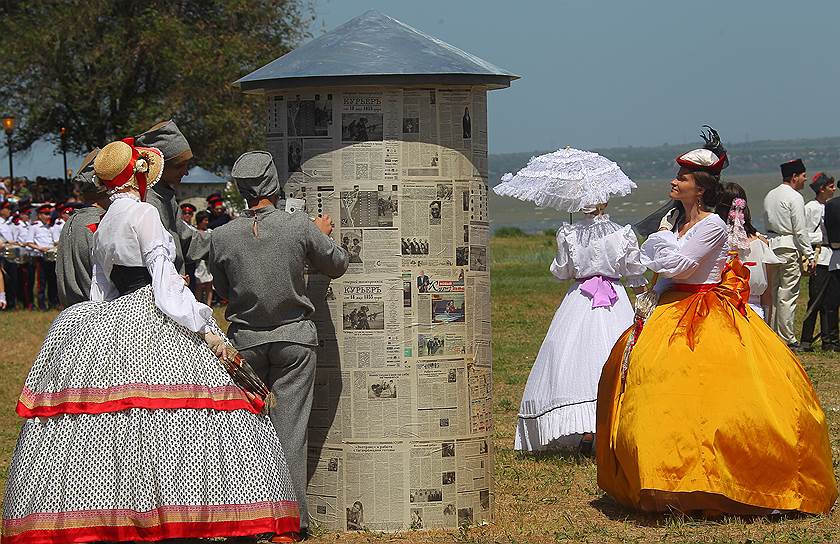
254,406
158,532
92,227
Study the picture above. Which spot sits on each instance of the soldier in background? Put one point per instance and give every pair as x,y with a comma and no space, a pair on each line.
190,244
74,268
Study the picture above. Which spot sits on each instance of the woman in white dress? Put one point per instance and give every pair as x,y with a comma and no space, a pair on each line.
134,431
758,257
558,406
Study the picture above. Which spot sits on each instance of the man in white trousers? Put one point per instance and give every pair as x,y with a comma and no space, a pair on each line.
784,216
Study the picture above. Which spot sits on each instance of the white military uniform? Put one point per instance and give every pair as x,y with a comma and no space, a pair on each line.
784,215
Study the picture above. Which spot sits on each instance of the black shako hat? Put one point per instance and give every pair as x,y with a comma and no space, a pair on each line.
819,181
790,168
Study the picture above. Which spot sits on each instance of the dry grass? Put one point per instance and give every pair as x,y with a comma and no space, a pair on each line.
546,498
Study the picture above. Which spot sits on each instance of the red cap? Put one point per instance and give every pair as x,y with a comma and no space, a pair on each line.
188,206
46,208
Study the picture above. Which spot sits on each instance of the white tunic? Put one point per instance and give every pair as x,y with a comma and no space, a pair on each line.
131,234
7,230
784,215
815,225
699,256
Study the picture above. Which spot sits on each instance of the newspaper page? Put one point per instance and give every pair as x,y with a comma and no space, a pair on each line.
427,220
371,314
376,486
325,490
420,150
381,404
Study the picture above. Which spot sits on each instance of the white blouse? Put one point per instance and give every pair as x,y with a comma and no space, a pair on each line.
756,259
131,234
699,256
596,246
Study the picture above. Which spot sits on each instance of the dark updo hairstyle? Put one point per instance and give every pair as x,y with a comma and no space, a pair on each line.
729,192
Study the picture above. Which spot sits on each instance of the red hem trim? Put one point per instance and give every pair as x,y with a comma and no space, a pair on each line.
254,406
158,532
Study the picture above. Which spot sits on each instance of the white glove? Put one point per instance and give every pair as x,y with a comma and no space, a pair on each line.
2,300
215,343
669,221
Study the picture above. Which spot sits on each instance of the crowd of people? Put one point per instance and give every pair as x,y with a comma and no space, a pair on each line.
30,234
133,429
691,400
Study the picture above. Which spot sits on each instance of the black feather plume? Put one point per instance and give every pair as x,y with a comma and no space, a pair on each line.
713,144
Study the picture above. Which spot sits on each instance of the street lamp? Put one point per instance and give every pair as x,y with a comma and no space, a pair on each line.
63,132
9,127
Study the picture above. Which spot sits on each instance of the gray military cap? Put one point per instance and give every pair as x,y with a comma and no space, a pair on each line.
255,175
168,139
86,179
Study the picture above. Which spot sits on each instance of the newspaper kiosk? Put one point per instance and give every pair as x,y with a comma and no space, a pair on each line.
385,128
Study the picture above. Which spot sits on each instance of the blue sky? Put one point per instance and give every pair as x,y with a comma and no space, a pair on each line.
606,73
645,72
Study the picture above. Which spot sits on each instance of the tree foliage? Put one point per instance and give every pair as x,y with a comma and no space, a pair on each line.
106,69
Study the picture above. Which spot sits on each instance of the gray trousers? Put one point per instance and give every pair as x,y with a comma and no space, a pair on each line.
289,371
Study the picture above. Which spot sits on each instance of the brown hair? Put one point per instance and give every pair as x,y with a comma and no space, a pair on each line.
729,192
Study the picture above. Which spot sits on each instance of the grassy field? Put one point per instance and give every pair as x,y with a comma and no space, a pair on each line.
545,498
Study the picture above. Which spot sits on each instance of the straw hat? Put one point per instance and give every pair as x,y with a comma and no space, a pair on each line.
122,163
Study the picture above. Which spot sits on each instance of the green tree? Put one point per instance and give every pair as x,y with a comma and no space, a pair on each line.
106,69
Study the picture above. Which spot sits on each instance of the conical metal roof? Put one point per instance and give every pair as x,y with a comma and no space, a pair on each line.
375,49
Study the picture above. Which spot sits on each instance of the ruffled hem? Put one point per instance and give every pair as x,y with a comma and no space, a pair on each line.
203,521
537,433
93,400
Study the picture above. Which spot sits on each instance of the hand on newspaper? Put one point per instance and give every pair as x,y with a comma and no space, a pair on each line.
324,223
216,344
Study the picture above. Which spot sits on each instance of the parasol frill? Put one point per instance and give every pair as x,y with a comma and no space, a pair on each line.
567,180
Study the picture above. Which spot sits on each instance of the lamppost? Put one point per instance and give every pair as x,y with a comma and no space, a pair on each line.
63,132
9,127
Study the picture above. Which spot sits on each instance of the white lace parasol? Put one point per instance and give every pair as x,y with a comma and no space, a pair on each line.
567,180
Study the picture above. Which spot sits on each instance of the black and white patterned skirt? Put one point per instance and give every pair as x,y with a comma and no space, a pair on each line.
134,431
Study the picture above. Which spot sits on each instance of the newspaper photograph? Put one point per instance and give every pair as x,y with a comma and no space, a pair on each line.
309,115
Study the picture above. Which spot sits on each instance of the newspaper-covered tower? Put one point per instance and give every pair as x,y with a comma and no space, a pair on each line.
385,128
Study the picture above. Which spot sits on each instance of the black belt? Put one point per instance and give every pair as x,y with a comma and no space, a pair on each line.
128,279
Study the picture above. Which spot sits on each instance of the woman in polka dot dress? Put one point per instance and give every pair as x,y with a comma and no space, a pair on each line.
134,431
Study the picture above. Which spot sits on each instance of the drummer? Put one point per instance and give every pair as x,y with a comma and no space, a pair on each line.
42,242
8,237
25,268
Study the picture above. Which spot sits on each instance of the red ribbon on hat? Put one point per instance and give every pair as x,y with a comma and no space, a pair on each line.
125,175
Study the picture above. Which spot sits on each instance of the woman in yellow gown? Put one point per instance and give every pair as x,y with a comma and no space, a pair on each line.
711,411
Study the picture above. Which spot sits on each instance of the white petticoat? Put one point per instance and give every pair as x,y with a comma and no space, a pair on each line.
561,393
136,432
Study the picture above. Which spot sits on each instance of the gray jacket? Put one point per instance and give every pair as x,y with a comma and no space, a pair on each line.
191,245
73,265
262,275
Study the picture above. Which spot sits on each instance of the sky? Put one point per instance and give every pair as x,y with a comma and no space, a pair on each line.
599,73
610,73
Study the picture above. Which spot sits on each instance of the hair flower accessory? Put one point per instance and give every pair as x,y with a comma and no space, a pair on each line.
738,240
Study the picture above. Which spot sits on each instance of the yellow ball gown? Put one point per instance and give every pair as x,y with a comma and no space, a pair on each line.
715,412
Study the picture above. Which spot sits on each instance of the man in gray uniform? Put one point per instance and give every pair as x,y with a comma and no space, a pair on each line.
191,245
73,260
257,262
